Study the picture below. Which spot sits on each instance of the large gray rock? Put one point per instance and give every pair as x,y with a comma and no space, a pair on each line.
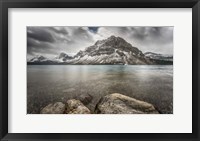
85,98
74,106
55,108
121,104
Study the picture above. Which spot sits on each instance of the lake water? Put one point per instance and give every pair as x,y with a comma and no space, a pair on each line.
53,83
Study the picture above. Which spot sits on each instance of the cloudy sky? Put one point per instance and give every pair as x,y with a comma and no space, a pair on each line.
50,41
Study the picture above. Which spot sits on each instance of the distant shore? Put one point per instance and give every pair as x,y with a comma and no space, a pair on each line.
30,63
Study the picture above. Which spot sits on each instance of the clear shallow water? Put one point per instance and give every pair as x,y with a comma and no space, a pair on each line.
53,83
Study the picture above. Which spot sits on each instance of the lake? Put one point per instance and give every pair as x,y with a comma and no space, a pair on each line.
53,83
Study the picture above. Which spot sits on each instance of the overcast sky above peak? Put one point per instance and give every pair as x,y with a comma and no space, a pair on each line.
51,41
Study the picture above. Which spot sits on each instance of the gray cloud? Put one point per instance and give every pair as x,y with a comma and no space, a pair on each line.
155,39
50,41
159,35
36,47
40,34
59,30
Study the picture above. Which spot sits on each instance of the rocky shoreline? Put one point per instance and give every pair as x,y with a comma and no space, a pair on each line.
110,104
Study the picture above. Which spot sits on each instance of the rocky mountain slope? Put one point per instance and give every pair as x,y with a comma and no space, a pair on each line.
159,58
113,50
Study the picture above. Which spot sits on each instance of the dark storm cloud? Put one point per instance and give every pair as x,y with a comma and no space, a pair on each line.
40,34
35,46
31,42
53,40
157,39
150,34
60,30
82,33
78,38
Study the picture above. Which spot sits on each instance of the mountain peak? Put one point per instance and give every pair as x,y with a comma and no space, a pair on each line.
115,38
38,58
112,50
64,56
112,37
113,41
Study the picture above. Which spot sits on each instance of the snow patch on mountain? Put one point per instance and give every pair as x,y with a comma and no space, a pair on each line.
157,56
113,50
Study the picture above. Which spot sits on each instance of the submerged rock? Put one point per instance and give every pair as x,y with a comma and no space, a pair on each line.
74,106
85,98
55,108
120,104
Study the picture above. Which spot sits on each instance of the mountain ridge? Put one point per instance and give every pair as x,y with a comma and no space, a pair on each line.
111,51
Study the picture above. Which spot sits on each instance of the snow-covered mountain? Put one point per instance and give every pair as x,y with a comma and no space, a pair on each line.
159,58
40,59
63,57
113,50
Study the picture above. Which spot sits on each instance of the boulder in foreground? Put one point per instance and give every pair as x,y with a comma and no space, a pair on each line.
56,108
85,98
120,104
74,106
